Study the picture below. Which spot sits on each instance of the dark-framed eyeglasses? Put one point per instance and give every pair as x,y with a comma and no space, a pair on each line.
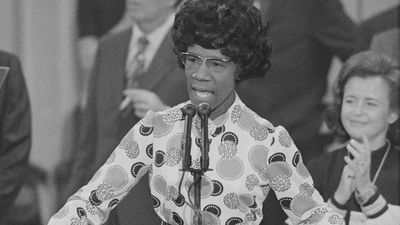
193,62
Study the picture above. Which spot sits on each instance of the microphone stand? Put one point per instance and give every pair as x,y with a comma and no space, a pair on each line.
188,111
204,111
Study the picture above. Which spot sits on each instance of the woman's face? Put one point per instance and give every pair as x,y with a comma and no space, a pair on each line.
366,108
210,80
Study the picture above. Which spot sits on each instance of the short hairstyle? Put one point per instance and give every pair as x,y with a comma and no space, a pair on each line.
232,26
366,64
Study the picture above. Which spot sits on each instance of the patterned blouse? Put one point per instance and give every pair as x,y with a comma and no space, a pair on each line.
248,158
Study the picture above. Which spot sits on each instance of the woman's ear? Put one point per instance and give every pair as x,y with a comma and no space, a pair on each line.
237,77
393,117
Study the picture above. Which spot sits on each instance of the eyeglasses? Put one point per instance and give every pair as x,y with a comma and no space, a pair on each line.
193,62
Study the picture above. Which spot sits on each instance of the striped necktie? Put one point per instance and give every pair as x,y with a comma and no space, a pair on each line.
136,66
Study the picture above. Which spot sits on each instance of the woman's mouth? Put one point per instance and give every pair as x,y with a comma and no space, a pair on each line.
202,94
358,123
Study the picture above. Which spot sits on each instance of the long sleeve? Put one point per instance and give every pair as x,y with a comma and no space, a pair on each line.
293,185
390,216
126,165
376,212
15,132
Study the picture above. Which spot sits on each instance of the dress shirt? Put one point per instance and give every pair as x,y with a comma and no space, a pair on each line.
155,39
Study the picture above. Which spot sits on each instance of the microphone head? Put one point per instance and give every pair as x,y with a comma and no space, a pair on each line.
204,109
189,110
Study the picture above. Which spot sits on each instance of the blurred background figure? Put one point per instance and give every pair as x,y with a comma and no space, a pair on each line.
15,134
361,180
388,42
306,35
96,18
378,23
381,33
135,71
26,210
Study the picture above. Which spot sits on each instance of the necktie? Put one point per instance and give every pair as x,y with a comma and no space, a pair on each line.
136,66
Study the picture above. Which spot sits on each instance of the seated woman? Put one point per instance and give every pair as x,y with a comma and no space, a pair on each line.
219,42
361,180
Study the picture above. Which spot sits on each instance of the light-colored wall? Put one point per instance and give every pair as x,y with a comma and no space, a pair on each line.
41,33
9,25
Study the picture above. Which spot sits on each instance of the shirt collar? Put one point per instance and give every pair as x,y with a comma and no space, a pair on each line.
155,39
154,36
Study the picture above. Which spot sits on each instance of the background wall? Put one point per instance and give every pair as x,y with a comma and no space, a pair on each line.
42,34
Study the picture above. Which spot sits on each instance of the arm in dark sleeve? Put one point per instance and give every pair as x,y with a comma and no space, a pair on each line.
316,172
15,131
334,29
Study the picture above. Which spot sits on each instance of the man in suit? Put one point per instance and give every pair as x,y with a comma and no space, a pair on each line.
96,18
306,35
113,108
15,131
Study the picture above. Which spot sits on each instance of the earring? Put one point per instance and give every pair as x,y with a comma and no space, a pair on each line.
193,75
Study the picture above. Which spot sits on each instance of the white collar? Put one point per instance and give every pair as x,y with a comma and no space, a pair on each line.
155,39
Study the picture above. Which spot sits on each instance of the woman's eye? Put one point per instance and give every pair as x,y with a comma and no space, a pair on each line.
348,101
217,64
192,59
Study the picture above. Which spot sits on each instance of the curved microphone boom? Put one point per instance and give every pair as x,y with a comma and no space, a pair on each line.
204,111
188,112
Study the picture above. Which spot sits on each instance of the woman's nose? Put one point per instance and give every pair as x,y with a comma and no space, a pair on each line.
202,73
358,109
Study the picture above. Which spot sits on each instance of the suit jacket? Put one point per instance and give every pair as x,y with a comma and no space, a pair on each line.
97,17
305,36
15,133
103,125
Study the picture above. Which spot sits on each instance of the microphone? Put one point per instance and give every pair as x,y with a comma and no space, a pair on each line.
204,111
188,112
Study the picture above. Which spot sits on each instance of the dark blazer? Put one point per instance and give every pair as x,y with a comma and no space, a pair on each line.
15,132
103,125
97,17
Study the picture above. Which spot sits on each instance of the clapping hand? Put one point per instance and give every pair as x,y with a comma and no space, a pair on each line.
346,186
360,165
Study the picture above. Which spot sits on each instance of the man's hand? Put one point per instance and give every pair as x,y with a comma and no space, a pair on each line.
142,101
